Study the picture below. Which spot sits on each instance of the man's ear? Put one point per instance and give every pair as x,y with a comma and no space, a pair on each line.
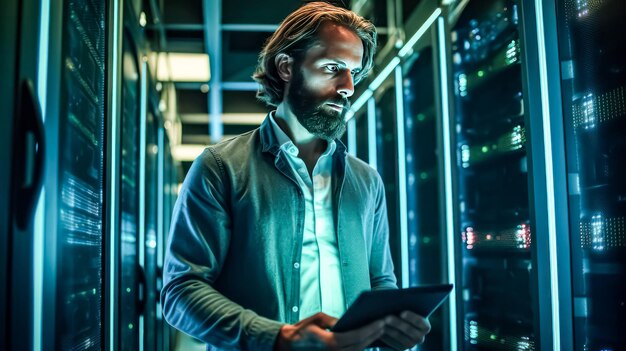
284,66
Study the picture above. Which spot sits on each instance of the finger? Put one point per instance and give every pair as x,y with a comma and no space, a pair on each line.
364,335
362,344
391,342
320,319
314,336
416,320
369,341
404,334
404,328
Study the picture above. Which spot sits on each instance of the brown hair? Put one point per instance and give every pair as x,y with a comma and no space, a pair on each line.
297,33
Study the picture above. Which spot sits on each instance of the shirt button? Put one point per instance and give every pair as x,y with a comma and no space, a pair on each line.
296,265
294,308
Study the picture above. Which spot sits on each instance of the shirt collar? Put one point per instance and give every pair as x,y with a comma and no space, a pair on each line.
288,146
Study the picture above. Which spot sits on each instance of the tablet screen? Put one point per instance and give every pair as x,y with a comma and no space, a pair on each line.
373,305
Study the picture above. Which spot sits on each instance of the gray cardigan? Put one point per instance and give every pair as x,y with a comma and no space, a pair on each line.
230,274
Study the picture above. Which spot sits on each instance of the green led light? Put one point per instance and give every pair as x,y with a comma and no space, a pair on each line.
421,117
485,149
131,326
424,175
493,337
481,73
426,240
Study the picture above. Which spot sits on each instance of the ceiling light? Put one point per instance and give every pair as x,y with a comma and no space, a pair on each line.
179,67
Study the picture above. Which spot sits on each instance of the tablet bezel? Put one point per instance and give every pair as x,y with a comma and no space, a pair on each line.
373,305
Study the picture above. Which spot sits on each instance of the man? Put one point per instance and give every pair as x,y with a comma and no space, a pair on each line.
278,230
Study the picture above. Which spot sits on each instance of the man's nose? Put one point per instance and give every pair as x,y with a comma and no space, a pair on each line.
346,86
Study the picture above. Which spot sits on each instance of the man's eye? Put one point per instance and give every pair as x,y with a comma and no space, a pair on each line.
332,68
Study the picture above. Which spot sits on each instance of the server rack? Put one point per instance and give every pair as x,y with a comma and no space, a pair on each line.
101,211
550,134
494,214
591,48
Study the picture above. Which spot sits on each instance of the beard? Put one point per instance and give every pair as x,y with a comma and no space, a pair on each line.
313,113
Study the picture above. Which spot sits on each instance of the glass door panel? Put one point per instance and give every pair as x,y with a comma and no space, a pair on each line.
129,306
493,201
592,47
387,157
79,290
151,333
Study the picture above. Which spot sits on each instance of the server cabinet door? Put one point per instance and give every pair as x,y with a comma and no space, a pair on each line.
21,160
73,301
592,47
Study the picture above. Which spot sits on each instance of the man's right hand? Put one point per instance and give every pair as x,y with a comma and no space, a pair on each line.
312,334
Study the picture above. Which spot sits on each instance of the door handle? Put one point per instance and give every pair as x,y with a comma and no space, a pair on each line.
28,158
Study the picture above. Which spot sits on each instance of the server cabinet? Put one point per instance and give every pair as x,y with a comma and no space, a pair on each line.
21,157
75,253
592,45
495,235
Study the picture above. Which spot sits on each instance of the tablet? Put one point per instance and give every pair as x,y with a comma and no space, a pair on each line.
373,305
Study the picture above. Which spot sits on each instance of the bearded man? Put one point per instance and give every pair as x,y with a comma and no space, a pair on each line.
276,231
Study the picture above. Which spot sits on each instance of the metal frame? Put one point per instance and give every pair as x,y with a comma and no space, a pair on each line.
447,141
52,108
38,235
112,169
402,195
548,178
371,133
141,240
213,42
351,135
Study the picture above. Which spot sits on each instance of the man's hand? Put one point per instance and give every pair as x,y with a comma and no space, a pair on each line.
312,334
405,331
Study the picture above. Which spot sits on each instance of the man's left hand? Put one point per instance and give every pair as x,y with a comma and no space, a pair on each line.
405,331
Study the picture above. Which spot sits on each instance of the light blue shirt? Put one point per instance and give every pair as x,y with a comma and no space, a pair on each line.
320,269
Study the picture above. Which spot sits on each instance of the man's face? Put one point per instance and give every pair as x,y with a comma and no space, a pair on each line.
322,82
